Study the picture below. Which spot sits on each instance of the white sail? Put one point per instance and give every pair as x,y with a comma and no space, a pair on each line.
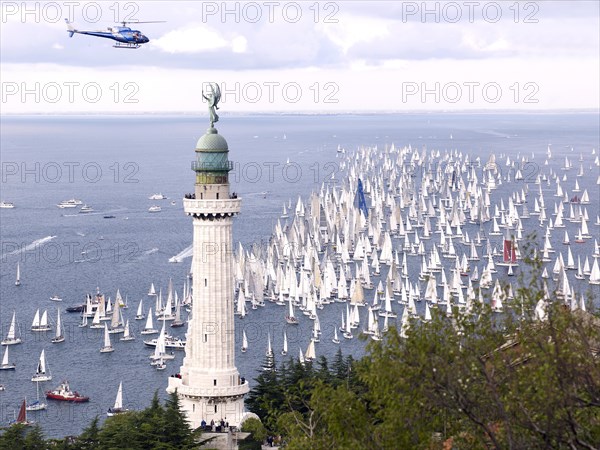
149,328
140,311
116,320
18,279
36,320
336,339
127,336
244,341
310,351
107,347
96,320
285,344
11,337
59,334
6,365
119,400
595,273
42,372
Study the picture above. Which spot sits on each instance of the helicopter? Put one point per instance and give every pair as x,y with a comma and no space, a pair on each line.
125,36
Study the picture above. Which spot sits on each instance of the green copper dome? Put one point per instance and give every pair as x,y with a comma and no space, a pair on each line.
212,141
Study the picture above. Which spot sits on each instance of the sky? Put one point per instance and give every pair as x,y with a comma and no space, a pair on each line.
279,56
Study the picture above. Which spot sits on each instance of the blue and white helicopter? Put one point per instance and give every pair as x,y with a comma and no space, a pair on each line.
125,36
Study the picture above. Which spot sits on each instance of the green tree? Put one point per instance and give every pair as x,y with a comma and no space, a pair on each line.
34,440
13,438
266,397
90,438
175,428
256,428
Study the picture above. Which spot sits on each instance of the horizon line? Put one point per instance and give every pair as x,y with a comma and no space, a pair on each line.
308,113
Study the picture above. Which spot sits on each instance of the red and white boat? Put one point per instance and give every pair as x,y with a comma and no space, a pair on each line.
64,393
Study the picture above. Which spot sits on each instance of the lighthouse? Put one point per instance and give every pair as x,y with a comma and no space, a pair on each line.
209,384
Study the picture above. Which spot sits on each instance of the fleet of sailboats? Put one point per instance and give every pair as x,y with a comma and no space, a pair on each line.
442,242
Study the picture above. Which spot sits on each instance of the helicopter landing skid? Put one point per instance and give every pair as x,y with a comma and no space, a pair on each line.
122,45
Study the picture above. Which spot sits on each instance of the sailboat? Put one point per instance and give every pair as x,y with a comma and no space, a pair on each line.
116,319
244,341
140,311
291,317
6,365
40,324
18,280
149,328
177,322
336,339
118,406
310,351
107,347
347,332
59,336
595,273
127,336
285,344
160,349
11,337
160,365
84,321
152,290
509,255
22,417
40,373
36,405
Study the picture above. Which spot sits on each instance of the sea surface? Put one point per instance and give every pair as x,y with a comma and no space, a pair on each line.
114,163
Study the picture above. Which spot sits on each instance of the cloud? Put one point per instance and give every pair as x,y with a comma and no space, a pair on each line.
198,38
351,30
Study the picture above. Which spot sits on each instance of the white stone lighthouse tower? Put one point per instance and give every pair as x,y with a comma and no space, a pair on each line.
209,384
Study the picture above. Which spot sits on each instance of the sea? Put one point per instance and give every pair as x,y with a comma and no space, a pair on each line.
114,163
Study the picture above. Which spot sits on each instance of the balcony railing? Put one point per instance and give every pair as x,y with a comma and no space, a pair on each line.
229,391
222,166
212,206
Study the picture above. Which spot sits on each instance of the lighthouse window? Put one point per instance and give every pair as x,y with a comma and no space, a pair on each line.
193,407
215,408
217,196
214,382
205,282
205,337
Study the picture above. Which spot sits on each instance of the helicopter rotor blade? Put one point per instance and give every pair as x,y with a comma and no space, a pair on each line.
146,21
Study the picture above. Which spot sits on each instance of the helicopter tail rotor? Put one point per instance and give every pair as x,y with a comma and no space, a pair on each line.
70,28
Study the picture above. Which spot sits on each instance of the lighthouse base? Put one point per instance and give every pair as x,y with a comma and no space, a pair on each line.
210,404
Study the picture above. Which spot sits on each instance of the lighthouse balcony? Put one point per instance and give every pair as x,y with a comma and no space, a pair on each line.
212,166
207,392
214,207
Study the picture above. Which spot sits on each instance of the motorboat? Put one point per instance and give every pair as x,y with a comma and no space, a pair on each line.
64,393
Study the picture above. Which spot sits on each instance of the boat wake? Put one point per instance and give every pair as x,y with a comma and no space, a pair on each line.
21,249
185,253
151,251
